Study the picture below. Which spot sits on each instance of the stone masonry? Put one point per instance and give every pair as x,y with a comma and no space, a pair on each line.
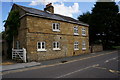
36,29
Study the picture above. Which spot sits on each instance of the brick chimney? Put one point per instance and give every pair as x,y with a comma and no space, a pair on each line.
49,8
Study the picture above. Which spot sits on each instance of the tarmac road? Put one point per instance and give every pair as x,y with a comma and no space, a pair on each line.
102,65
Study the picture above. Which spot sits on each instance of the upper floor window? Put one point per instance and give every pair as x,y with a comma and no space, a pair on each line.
83,31
56,27
56,46
76,46
83,45
41,46
76,30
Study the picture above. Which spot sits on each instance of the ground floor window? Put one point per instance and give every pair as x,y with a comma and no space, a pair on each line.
83,45
76,45
56,46
41,46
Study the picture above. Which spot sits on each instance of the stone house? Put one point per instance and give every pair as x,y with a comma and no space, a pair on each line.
46,35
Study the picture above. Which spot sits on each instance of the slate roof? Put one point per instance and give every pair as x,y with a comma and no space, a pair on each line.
40,13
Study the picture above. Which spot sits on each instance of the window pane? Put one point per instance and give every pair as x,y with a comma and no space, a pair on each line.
53,25
75,29
83,31
75,45
83,44
54,45
43,45
39,45
57,45
57,27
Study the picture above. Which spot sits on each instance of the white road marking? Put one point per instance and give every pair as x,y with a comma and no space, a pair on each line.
111,59
78,71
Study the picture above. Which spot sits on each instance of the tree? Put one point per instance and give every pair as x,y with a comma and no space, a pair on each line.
84,17
116,31
12,24
103,23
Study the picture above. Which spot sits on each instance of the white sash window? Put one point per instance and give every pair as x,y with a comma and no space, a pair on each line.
76,45
56,27
56,46
41,46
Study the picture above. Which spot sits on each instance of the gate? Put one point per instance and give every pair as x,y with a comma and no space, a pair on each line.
19,54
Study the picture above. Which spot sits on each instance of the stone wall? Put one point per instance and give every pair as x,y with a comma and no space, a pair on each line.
34,29
41,30
96,48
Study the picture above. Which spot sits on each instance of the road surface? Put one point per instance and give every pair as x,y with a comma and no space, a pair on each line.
94,65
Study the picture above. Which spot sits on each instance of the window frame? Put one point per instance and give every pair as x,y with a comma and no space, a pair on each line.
84,45
56,30
76,31
76,43
83,31
56,45
41,45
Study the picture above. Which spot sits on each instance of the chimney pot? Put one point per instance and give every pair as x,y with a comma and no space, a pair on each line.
50,4
49,8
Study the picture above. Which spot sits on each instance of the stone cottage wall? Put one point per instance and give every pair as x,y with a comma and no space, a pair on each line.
41,30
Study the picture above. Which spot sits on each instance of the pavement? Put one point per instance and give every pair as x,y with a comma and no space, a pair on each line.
54,61
18,66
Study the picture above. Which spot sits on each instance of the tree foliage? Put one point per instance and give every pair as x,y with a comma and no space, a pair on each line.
84,17
11,24
104,24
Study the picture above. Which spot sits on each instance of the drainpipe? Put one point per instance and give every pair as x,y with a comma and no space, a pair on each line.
13,42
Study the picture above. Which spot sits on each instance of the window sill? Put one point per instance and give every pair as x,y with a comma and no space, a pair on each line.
56,49
83,34
76,49
42,50
83,48
56,30
76,34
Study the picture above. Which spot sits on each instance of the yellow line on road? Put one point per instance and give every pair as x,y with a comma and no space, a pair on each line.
44,66
89,57
114,71
110,70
